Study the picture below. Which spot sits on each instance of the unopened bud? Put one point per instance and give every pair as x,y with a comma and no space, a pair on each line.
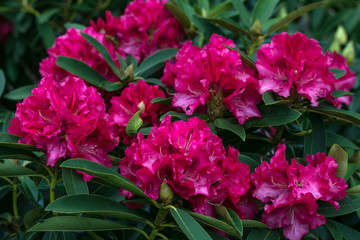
256,28
349,52
335,47
166,193
340,35
141,107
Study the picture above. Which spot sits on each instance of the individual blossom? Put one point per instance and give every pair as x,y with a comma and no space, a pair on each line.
134,98
66,119
6,28
146,27
214,78
72,44
294,66
290,191
191,160
344,83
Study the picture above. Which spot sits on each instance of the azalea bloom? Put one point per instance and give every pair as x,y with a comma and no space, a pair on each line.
290,191
134,98
190,159
294,66
66,119
214,78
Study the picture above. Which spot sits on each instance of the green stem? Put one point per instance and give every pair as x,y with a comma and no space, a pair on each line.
14,200
160,217
53,187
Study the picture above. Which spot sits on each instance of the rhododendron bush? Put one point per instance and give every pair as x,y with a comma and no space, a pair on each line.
186,120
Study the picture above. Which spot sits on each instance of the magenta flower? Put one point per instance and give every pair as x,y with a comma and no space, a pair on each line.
146,27
72,44
65,119
294,62
213,77
290,191
345,83
134,98
188,157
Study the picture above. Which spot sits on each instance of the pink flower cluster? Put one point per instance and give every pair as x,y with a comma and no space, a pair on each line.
65,119
134,98
213,77
192,160
290,191
294,66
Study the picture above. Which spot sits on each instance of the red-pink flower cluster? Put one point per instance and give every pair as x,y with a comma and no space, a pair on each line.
192,160
65,119
134,98
213,77
294,66
290,191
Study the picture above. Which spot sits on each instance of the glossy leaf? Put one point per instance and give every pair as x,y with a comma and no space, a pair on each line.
74,223
244,58
85,72
253,224
300,126
73,182
339,93
2,82
8,138
151,63
219,9
109,176
134,124
20,93
243,13
347,232
263,10
338,73
351,169
333,230
188,225
229,25
264,234
344,115
347,205
47,34
30,189
95,204
236,128
7,121
341,158
333,138
33,215
274,115
236,221
160,100
353,191
179,14
12,170
315,141
16,153
268,99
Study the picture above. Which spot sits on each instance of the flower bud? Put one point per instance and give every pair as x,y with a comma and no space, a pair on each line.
349,52
166,193
340,35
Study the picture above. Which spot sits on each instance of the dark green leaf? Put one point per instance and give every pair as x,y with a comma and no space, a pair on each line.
219,9
8,138
73,182
338,73
160,100
347,205
12,170
20,93
252,223
263,10
16,153
151,63
32,216
85,72
223,123
315,141
244,58
243,13
189,226
109,176
204,5
74,25
339,93
179,14
294,15
215,223
181,116
47,14
134,124
145,131
249,161
332,138
341,158
95,204
73,223
18,146
30,189
334,231
300,126
347,116
7,121
274,115
2,82
47,34
351,169
353,191
347,232
268,99
229,25
264,234
236,221
104,53
155,81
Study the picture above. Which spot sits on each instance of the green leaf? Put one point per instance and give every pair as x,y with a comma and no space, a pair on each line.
47,14
74,25
229,25
339,93
73,182
264,234
30,189
145,131
347,205
244,58
223,123
95,204
274,115
7,121
215,223
160,100
315,141
263,10
181,116
8,138
47,34
155,81
73,223
347,232
219,9
329,111
85,72
236,221
300,126
16,153
351,169
341,158
109,176
333,230
252,223
188,225
338,73
134,124
104,53
19,146
204,5
32,216
2,82
12,170
268,99
249,161
332,138
293,15
353,191
155,61
20,93
179,14
243,13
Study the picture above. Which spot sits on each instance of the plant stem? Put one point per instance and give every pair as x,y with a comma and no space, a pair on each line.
160,217
14,200
53,187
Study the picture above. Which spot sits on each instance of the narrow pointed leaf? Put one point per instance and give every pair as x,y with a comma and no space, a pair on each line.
229,25
2,82
315,141
347,205
329,111
339,93
223,123
264,234
12,170
351,169
334,138
219,9
20,93
73,182
189,226
16,153
243,13
252,223
347,232
179,14
160,100
8,138
263,10
109,176
341,158
134,124
236,221
333,230
353,191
